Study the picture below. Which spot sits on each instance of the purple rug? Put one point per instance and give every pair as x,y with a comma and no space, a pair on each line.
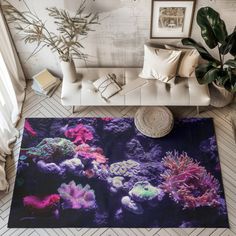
102,172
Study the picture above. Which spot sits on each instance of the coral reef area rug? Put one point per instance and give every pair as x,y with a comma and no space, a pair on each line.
102,172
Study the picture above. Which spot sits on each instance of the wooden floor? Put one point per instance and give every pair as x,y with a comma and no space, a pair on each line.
36,106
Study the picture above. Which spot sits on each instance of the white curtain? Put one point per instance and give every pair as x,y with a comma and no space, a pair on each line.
12,92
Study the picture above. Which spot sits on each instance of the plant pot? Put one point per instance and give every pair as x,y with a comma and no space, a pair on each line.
69,71
220,97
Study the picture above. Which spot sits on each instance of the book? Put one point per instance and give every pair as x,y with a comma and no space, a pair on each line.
35,87
46,92
107,86
44,79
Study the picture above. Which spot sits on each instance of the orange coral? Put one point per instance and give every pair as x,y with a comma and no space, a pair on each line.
87,152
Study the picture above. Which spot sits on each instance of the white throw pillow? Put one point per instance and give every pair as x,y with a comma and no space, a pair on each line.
160,63
107,86
188,61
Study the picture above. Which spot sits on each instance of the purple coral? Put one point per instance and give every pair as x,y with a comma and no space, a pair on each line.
48,168
155,153
148,171
89,121
134,150
209,146
101,170
152,171
131,182
132,206
119,214
73,166
22,166
77,197
101,218
188,183
118,126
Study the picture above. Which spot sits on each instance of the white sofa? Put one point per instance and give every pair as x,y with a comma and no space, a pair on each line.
181,92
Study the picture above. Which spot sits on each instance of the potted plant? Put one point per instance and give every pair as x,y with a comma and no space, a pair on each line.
66,43
218,72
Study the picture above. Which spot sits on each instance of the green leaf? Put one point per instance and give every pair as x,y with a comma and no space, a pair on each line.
211,76
201,70
230,83
223,76
231,63
213,28
202,51
206,73
229,46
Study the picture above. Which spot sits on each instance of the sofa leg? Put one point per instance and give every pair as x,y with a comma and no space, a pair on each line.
198,110
76,109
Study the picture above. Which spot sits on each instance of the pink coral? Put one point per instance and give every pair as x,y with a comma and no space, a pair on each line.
93,153
80,133
77,197
107,119
29,129
41,205
188,183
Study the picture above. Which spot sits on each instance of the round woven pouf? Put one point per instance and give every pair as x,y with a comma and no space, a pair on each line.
154,122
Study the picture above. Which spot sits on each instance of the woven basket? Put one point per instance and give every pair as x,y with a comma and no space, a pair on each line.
154,122
220,97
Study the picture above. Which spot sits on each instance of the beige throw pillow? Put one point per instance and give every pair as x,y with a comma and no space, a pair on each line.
160,64
188,61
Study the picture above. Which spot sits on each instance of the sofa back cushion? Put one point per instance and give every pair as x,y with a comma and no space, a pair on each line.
188,61
160,63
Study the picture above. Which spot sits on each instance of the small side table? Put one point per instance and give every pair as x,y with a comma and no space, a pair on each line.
154,122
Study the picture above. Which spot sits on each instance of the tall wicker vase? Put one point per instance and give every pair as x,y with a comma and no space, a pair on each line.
69,71
220,97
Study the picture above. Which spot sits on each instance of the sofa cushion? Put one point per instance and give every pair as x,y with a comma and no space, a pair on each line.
181,92
188,61
160,63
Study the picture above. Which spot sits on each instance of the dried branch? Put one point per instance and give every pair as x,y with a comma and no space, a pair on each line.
67,43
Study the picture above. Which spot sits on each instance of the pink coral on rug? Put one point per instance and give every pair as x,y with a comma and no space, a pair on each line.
80,134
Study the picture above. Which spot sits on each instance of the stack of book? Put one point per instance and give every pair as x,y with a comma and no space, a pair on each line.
45,84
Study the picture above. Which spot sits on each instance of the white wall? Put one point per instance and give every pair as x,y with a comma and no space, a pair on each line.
118,41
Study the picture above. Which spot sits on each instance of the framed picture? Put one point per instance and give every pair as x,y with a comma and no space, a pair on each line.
171,19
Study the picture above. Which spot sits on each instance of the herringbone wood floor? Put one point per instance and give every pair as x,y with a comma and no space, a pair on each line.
36,106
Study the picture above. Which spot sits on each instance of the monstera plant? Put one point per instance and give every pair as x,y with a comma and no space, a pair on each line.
220,71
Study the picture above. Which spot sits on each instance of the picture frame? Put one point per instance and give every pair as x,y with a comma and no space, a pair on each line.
172,18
